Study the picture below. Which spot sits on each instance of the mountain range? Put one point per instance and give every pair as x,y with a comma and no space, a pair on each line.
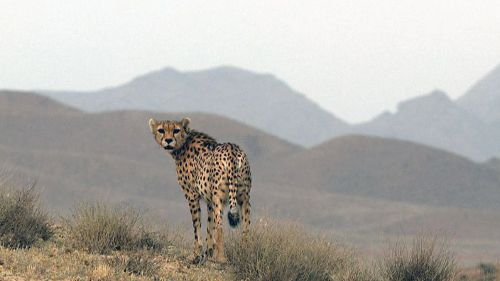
259,100
468,126
366,189
483,98
438,121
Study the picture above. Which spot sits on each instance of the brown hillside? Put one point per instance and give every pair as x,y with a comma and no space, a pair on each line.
396,170
110,156
18,103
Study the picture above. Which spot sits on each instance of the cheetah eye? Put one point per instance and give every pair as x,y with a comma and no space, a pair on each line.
176,131
161,131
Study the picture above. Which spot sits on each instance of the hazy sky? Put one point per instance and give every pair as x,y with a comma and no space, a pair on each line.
355,58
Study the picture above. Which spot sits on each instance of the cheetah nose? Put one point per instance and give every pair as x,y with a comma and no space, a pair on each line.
169,140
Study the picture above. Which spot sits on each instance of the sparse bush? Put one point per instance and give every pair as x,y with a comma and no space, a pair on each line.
487,268
22,221
98,228
426,260
488,271
285,252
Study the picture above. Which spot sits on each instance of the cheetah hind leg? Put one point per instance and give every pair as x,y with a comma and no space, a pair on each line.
209,253
245,213
219,236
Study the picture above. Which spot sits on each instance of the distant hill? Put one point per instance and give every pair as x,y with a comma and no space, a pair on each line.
26,103
392,170
483,98
493,163
260,100
436,120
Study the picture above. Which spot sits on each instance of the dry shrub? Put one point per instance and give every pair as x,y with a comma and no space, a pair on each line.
99,228
22,221
426,260
275,251
488,271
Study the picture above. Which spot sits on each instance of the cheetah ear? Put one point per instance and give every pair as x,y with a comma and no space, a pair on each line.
185,122
152,125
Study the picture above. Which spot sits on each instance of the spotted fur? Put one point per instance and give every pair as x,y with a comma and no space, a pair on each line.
218,173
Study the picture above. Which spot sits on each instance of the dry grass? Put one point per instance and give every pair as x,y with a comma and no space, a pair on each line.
274,252
98,228
55,259
22,221
426,260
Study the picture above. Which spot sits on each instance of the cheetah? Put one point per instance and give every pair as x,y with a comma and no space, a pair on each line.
218,173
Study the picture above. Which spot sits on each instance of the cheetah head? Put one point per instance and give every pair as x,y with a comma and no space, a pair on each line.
170,134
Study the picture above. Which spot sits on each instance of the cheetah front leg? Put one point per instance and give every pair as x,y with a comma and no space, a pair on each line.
194,207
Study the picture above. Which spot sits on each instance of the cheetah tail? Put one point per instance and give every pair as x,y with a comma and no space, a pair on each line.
233,216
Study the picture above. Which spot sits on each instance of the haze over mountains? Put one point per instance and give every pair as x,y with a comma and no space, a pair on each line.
260,100
483,99
366,187
468,126
436,120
